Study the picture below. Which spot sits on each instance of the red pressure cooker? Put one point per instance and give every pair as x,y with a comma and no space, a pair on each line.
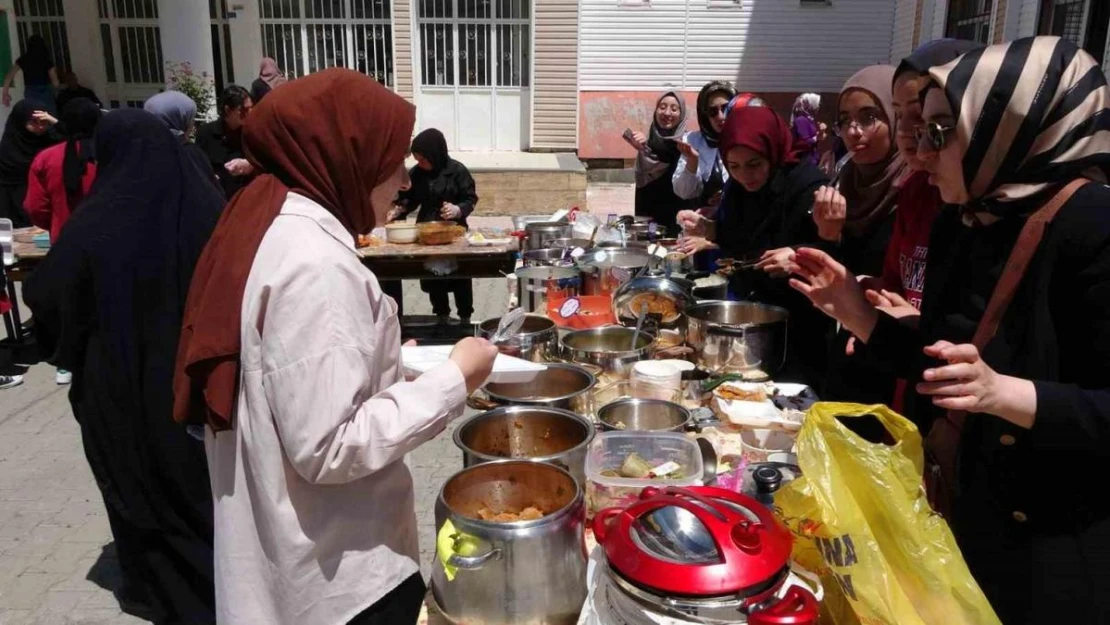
708,554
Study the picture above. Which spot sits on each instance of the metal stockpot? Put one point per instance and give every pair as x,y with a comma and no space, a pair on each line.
539,234
535,285
608,347
526,572
560,385
734,337
605,269
547,257
533,433
636,414
537,339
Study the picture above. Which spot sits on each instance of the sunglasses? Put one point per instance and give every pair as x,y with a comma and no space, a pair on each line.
936,134
714,110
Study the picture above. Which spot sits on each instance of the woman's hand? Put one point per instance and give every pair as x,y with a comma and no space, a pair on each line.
834,291
474,357
777,263
830,210
239,167
691,222
639,141
693,245
891,303
967,383
7,97
822,131
450,211
691,155
44,118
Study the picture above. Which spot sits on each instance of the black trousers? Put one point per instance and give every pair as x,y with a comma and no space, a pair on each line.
438,290
401,606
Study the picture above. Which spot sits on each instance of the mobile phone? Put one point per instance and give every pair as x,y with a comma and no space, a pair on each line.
627,135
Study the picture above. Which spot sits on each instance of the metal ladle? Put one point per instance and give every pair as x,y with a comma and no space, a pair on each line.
508,326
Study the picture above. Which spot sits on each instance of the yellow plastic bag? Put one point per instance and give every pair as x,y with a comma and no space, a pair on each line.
862,522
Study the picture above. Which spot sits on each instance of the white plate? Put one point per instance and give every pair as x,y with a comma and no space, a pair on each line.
419,359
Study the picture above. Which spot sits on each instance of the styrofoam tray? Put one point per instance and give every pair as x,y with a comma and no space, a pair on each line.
418,359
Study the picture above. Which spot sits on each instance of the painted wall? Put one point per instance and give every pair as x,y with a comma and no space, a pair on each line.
604,115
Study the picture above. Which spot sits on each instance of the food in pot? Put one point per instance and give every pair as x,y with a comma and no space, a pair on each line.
439,233
657,305
531,513
732,392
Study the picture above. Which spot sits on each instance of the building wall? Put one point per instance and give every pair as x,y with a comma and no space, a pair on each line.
1027,18
902,42
554,124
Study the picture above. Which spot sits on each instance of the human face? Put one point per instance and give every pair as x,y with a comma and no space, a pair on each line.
234,118
382,196
864,127
907,115
667,113
422,162
718,108
748,167
945,167
37,127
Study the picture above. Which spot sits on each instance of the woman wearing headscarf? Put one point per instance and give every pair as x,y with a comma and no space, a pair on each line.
269,77
700,175
1035,398
62,174
25,135
442,189
40,78
803,123
764,211
657,158
291,354
108,303
179,112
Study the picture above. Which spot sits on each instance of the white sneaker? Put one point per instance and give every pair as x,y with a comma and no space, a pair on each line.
63,377
8,381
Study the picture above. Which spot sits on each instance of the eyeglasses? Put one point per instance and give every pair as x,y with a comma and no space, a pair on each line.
935,133
864,122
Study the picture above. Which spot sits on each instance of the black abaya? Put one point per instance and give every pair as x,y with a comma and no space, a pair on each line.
18,147
108,301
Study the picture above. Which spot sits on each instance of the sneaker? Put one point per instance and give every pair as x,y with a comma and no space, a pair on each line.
442,320
63,376
8,381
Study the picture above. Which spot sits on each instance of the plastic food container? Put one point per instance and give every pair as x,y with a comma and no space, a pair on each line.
401,232
767,446
610,449
654,379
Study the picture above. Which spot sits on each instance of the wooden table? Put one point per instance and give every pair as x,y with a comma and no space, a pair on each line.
395,261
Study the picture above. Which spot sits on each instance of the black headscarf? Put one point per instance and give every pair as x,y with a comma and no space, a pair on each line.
432,145
934,53
19,146
708,91
666,151
36,49
79,119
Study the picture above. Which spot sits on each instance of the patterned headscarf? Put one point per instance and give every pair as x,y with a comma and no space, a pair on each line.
1031,115
807,105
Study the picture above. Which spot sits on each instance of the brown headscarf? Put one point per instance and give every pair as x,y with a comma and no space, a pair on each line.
270,73
332,137
871,191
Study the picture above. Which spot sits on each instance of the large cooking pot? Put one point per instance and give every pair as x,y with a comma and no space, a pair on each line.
738,337
537,235
548,257
569,243
608,347
606,268
560,385
532,433
524,572
637,414
665,300
537,339
536,285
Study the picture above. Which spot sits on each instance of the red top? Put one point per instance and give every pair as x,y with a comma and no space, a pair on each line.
47,202
904,268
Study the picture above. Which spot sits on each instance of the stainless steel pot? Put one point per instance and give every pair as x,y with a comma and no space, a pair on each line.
539,234
520,222
537,339
565,386
708,288
547,257
527,572
738,337
532,433
666,300
608,347
635,414
569,243
535,285
605,269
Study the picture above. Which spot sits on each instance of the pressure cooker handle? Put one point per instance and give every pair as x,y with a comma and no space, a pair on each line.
797,607
601,523
471,563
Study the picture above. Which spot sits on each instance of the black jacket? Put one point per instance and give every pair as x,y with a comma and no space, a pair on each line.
453,183
220,147
1033,518
778,215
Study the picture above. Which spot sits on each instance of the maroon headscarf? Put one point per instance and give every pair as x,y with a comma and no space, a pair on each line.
331,136
761,130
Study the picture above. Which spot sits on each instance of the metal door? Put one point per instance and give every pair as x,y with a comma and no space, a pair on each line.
474,62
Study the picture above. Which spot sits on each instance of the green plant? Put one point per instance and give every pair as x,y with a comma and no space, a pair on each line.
199,86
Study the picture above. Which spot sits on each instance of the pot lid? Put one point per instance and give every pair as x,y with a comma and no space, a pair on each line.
695,541
665,299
